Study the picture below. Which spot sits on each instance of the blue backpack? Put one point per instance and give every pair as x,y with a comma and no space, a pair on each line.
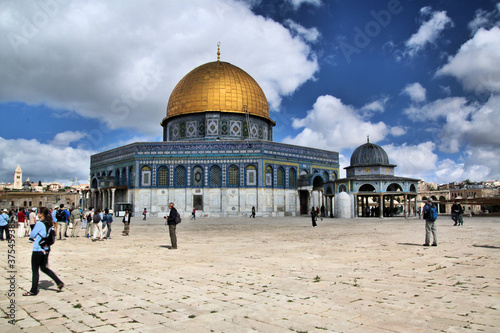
433,213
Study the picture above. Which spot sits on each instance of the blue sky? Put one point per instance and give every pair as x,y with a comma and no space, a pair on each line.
421,78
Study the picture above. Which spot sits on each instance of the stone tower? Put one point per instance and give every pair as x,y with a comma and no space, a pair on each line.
18,178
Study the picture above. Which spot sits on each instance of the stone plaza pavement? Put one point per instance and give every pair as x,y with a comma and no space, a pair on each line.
266,275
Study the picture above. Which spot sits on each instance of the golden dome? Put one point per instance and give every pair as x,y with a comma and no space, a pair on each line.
217,86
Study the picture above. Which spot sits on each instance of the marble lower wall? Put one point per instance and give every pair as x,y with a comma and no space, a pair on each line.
217,202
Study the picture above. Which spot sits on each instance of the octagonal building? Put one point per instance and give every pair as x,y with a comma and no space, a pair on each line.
217,156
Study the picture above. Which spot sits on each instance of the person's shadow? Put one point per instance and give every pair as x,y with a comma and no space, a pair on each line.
46,284
410,244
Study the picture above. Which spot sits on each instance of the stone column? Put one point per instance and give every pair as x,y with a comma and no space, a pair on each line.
381,206
113,199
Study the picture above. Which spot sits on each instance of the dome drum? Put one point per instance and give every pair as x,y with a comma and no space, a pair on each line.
217,126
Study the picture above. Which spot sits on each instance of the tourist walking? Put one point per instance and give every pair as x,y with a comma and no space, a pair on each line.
4,225
253,212
21,223
456,213
172,225
193,214
108,219
90,225
314,217
32,218
430,214
40,254
144,213
76,219
126,222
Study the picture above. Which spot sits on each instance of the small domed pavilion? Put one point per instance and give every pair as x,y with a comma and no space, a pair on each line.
373,188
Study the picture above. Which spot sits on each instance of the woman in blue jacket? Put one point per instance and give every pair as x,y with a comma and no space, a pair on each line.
40,255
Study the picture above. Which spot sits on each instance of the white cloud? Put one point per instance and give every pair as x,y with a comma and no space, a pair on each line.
43,162
429,31
397,131
65,138
335,126
297,3
415,91
416,161
437,109
310,35
477,63
468,129
450,171
484,19
375,106
118,62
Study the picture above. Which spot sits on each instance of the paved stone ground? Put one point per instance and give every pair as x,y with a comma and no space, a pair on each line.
267,275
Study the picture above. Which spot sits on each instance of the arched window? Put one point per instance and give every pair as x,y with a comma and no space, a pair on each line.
131,177
215,177
269,176
163,176
251,175
145,176
233,176
198,176
123,178
292,178
280,177
180,176
325,176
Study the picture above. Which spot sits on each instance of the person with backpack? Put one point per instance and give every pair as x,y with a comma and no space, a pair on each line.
61,221
430,216
89,225
172,220
97,224
4,224
108,219
41,249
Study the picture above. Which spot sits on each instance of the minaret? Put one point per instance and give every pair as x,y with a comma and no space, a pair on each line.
18,178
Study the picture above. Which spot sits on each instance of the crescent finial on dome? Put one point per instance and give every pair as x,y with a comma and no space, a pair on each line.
218,51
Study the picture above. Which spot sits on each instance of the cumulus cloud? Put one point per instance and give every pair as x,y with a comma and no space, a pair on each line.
335,126
118,62
415,91
449,171
429,31
469,129
477,63
416,161
43,161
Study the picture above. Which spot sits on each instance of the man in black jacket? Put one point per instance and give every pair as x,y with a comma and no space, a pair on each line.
172,223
